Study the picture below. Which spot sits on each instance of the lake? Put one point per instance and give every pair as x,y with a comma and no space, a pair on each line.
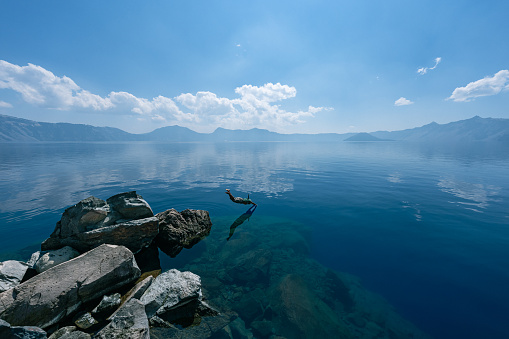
426,227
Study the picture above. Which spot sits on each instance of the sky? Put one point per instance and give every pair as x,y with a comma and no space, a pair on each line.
286,66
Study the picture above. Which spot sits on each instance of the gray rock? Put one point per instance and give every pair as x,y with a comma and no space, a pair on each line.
130,321
107,306
85,321
11,274
58,292
69,332
76,335
170,290
181,230
125,219
140,288
130,206
135,235
53,258
62,331
29,332
33,259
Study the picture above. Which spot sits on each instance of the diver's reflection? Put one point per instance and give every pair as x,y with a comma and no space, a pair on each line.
241,219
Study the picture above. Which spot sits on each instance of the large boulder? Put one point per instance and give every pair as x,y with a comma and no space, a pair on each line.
53,258
11,274
171,290
181,230
58,292
124,219
130,321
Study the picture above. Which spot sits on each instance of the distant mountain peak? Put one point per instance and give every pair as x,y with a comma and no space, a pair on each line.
363,137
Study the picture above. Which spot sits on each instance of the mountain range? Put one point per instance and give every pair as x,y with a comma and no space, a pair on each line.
14,129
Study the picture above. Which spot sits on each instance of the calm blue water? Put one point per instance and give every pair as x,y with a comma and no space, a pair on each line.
427,227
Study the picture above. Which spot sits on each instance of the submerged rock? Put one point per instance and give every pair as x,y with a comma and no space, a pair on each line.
53,258
11,274
181,230
58,292
124,219
300,314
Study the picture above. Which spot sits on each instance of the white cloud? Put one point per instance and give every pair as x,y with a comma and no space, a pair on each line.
269,92
424,70
5,104
402,102
200,111
483,87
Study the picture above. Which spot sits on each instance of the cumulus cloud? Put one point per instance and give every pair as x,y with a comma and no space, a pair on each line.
254,108
483,87
402,102
5,104
269,92
424,70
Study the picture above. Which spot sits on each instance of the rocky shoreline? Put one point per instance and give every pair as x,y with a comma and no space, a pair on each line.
99,275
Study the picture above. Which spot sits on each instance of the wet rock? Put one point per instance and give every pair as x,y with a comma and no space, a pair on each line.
300,314
107,306
31,332
53,258
130,321
124,219
170,290
85,321
58,292
181,230
11,274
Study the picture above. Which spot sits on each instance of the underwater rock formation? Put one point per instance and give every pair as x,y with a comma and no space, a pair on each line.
181,230
124,219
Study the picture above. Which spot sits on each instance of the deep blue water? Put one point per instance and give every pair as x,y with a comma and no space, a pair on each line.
426,227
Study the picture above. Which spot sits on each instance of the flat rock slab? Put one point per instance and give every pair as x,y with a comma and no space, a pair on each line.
56,293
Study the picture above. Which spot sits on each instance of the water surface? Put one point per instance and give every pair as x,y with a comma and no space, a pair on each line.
426,227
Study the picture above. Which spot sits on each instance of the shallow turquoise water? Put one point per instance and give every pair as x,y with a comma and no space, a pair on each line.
424,226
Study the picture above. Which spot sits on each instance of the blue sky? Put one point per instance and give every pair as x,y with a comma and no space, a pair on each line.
287,66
